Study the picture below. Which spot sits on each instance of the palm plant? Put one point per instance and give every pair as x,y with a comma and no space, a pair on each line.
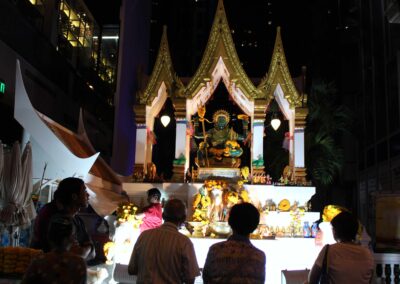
326,122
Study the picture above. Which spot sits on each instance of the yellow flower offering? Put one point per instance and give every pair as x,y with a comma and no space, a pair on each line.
330,212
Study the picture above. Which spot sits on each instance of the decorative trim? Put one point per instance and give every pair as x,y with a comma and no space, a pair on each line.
258,123
220,44
278,73
163,71
300,117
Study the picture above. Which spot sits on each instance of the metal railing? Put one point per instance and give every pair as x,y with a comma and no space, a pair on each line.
387,269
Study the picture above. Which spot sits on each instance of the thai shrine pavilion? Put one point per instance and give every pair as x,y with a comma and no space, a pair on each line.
220,68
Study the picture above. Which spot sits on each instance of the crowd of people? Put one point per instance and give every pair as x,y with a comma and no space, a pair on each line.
162,254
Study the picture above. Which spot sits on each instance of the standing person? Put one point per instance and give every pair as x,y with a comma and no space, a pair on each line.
152,214
163,255
58,265
347,261
69,198
237,260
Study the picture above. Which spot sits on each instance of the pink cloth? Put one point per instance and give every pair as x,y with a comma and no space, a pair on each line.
152,217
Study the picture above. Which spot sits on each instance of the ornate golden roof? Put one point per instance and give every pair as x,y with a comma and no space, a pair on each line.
220,44
163,71
278,73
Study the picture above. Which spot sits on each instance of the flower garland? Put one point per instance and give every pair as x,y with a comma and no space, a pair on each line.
126,212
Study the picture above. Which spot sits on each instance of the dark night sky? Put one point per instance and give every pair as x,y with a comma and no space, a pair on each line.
105,12
292,16
303,36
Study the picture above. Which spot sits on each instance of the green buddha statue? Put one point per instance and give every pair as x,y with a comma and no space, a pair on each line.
221,141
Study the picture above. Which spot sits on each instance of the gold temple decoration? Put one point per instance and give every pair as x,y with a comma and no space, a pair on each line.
220,44
201,111
220,47
219,113
278,73
163,71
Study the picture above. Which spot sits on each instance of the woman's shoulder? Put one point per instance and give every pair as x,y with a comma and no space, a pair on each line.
353,248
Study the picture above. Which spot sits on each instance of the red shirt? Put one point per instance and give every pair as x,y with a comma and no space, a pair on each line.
152,217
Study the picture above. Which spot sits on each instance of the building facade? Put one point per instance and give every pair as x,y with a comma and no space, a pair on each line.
63,64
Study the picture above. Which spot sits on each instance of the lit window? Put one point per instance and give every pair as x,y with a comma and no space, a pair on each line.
269,23
74,26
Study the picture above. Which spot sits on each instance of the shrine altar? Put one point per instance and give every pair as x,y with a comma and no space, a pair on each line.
281,254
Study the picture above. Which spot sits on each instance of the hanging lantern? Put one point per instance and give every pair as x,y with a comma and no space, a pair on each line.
165,119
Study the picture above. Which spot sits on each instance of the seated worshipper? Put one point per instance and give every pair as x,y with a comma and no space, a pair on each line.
347,261
237,260
163,255
69,197
152,214
58,265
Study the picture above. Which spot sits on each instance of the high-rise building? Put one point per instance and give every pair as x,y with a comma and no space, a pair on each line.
356,45
378,103
64,65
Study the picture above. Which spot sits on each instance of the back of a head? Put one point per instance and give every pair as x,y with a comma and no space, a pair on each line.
66,188
345,225
244,218
174,211
154,192
60,230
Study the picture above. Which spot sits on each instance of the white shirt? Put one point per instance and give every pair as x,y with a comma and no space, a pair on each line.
163,255
347,263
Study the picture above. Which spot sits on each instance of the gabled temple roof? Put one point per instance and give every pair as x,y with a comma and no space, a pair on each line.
220,44
278,73
163,71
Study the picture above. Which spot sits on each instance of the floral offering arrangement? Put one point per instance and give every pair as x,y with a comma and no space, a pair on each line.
15,260
126,212
295,223
215,198
109,251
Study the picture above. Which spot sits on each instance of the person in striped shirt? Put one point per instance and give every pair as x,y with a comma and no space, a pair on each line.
163,254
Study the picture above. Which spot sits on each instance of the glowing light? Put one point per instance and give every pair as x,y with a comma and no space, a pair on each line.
275,123
165,119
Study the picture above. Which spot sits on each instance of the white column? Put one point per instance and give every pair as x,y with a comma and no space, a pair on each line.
299,148
258,139
140,147
26,137
180,139
292,151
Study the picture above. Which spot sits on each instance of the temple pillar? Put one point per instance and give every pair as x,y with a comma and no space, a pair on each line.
180,140
257,151
139,168
298,139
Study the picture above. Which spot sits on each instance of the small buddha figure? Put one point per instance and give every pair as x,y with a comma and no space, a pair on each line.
221,140
201,205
